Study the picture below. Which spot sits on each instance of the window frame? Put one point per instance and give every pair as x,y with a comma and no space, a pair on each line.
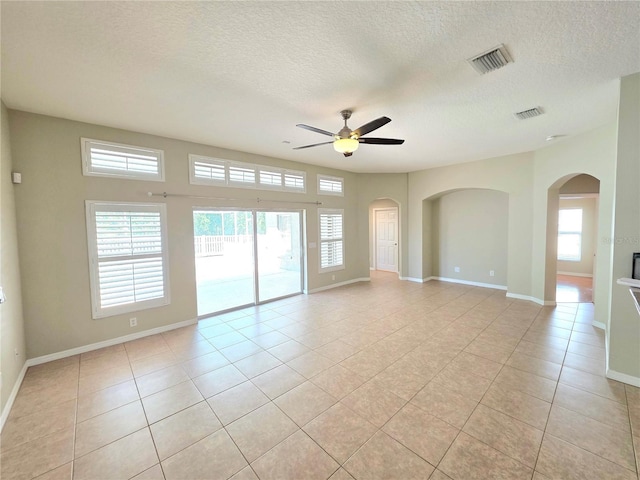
195,180
330,211
89,170
571,232
94,206
257,170
330,178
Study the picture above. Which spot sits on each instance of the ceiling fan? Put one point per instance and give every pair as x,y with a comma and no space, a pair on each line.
346,141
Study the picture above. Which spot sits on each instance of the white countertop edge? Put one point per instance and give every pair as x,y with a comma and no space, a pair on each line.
629,282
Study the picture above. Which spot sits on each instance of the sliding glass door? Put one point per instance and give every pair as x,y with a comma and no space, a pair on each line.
227,243
279,255
225,265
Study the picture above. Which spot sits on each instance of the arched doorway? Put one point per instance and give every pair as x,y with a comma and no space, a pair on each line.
572,227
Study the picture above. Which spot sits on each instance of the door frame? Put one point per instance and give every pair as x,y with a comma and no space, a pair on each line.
254,218
375,237
303,249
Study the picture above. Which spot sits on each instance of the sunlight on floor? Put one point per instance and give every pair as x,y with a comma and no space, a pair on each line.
574,289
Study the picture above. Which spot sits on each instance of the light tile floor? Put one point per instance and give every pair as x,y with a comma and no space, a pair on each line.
385,379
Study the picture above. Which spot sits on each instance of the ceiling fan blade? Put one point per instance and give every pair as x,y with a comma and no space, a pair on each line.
314,145
371,126
381,141
314,129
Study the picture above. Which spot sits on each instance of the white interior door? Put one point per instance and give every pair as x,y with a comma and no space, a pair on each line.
386,227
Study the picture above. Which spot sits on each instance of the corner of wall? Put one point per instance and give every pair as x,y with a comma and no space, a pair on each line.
12,346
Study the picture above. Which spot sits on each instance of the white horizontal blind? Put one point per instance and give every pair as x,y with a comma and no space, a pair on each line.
239,174
271,178
214,171
128,257
116,160
331,239
330,185
294,180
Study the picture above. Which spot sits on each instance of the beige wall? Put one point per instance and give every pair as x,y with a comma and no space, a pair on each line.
11,319
592,153
589,208
373,187
53,239
469,231
624,329
581,184
511,174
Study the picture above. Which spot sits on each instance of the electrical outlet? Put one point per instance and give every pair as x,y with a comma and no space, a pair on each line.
16,352
133,322
333,277
492,273
456,269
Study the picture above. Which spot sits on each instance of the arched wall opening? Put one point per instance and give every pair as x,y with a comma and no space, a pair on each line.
576,191
466,237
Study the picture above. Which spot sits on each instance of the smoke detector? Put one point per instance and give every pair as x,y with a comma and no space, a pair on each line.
491,60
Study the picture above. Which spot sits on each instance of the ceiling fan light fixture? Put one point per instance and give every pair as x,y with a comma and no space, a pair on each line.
346,145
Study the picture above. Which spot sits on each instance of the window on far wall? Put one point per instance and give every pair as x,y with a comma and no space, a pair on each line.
331,239
570,234
127,257
107,159
330,185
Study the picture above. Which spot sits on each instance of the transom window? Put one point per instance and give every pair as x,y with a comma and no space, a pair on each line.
330,185
225,173
107,159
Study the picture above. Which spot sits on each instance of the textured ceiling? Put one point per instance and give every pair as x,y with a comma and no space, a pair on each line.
241,75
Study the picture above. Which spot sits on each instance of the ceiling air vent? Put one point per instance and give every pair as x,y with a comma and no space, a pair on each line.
491,60
532,112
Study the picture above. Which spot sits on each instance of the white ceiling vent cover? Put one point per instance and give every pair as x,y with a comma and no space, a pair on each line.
491,60
532,112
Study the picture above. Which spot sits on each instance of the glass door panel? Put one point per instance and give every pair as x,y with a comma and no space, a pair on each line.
279,251
225,267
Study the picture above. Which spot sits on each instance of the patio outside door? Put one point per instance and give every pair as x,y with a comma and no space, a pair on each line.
227,244
279,255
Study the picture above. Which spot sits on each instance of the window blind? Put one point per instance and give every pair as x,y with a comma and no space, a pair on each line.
129,257
112,159
331,239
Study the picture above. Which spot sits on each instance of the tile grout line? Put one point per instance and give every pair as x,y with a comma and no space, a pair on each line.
479,402
544,431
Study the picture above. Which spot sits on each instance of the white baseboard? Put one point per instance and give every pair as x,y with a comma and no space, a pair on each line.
623,377
467,282
107,343
75,351
340,284
414,279
539,301
12,397
571,274
599,325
